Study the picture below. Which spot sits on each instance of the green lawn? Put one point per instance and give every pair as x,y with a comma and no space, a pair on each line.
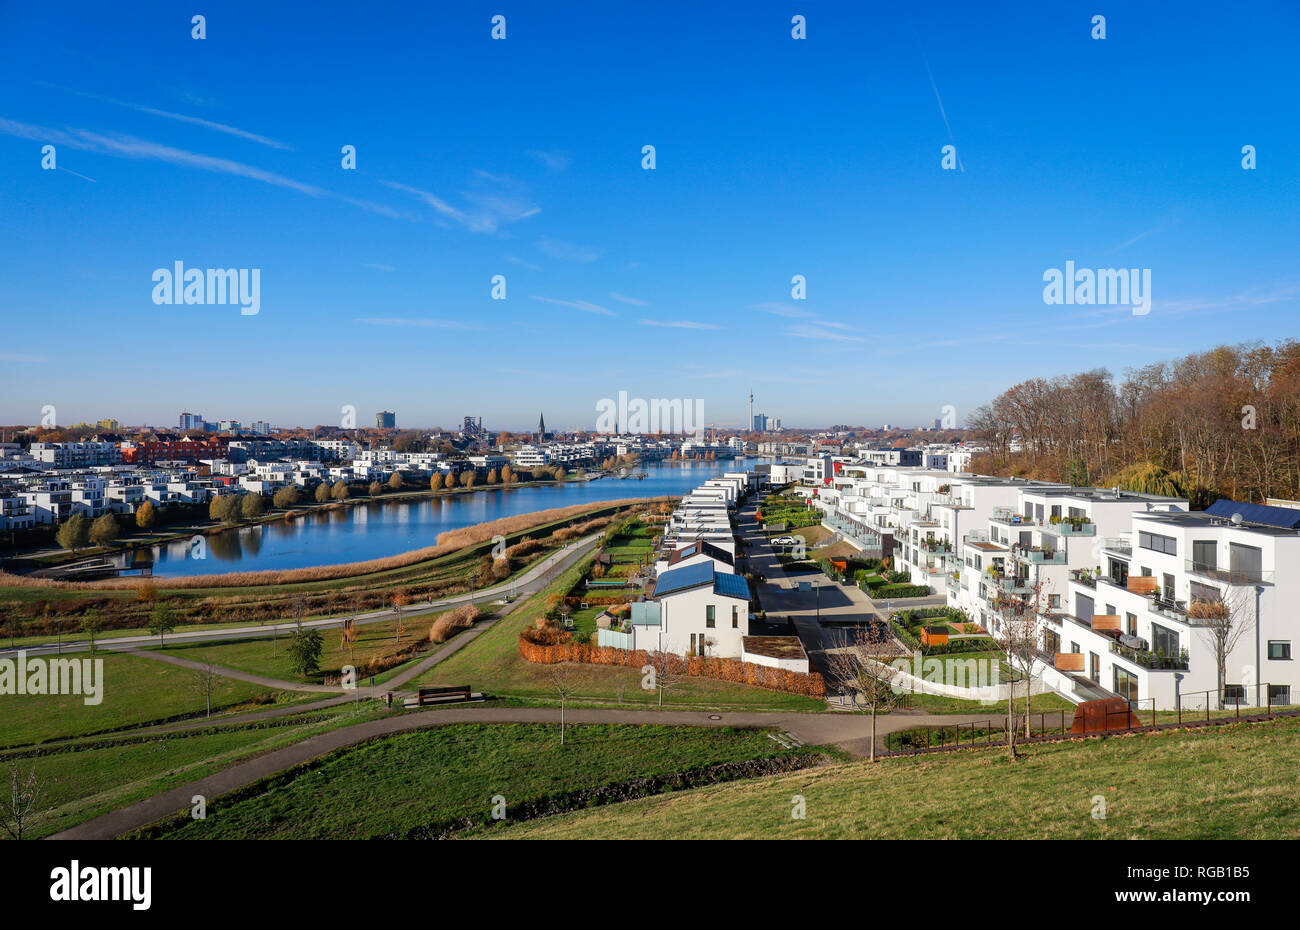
82,783
492,664
135,691
1231,782
267,657
446,778
1048,702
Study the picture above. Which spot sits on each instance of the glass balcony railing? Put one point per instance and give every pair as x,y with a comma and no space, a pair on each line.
1065,528
1232,576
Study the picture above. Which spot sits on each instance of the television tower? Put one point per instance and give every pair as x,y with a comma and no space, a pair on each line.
749,424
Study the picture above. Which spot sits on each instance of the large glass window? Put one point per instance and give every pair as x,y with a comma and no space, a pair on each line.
1163,641
1156,543
1279,649
1126,684
1205,554
710,616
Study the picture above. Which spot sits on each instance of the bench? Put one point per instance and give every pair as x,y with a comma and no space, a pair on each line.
452,695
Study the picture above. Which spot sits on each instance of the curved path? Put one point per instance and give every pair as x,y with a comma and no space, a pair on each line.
530,582
850,732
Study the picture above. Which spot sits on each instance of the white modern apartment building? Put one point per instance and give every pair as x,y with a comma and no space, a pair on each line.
1145,618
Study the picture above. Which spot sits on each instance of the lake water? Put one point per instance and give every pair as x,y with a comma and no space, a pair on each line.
380,529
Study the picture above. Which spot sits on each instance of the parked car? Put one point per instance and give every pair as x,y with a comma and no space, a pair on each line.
785,541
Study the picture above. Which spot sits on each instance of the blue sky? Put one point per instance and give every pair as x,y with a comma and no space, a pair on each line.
522,157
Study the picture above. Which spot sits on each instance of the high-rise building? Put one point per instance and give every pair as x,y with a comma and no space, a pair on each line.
191,421
386,419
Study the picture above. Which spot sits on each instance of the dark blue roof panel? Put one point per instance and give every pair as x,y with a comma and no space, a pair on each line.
1256,513
730,585
678,579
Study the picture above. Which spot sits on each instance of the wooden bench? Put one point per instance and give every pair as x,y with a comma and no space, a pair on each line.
452,695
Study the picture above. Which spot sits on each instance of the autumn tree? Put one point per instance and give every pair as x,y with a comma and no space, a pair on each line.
286,497
340,490
322,492
1222,624
492,477
103,532
396,482
435,482
252,506
375,489
146,516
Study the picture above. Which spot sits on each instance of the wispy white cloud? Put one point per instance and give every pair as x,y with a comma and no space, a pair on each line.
583,305
556,161
179,117
567,251
378,267
680,324
816,331
624,299
515,260
786,310
131,147
484,211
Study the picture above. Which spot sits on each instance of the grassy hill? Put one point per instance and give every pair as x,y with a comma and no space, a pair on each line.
1227,782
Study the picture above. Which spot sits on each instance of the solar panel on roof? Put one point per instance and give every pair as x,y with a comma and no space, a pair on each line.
679,579
1284,517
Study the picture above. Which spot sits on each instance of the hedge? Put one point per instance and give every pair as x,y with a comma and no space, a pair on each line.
734,670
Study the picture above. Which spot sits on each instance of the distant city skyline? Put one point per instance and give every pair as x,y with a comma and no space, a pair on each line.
799,232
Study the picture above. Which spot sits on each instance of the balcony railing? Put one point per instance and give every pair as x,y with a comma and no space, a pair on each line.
1118,545
1084,578
1150,660
1011,517
1228,576
1040,556
1065,528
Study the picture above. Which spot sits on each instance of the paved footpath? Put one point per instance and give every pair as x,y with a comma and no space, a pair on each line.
850,732
531,581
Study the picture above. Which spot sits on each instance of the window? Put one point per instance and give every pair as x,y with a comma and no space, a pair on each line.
1156,543
1163,641
1234,694
710,615
1205,554
1279,649
1126,684
1279,694
1131,624
735,617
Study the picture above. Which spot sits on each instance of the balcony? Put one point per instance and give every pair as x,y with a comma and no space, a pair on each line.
935,546
1119,546
1083,577
1236,576
1011,517
1151,660
1068,528
1039,556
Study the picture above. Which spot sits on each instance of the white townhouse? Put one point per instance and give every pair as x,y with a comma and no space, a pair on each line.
1140,621
695,553
701,611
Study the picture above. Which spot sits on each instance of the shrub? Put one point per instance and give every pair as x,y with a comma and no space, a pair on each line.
452,622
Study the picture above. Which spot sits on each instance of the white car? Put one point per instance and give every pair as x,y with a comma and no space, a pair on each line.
785,541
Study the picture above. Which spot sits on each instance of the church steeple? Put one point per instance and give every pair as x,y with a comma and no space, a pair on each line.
541,427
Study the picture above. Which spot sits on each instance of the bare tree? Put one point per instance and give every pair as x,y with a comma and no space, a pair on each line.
860,665
20,809
559,675
669,671
1018,639
1223,623
205,683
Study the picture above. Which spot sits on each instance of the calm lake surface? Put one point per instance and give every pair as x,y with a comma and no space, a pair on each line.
380,529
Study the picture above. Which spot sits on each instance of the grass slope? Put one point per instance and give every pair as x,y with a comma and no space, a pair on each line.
135,691
1225,782
399,783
